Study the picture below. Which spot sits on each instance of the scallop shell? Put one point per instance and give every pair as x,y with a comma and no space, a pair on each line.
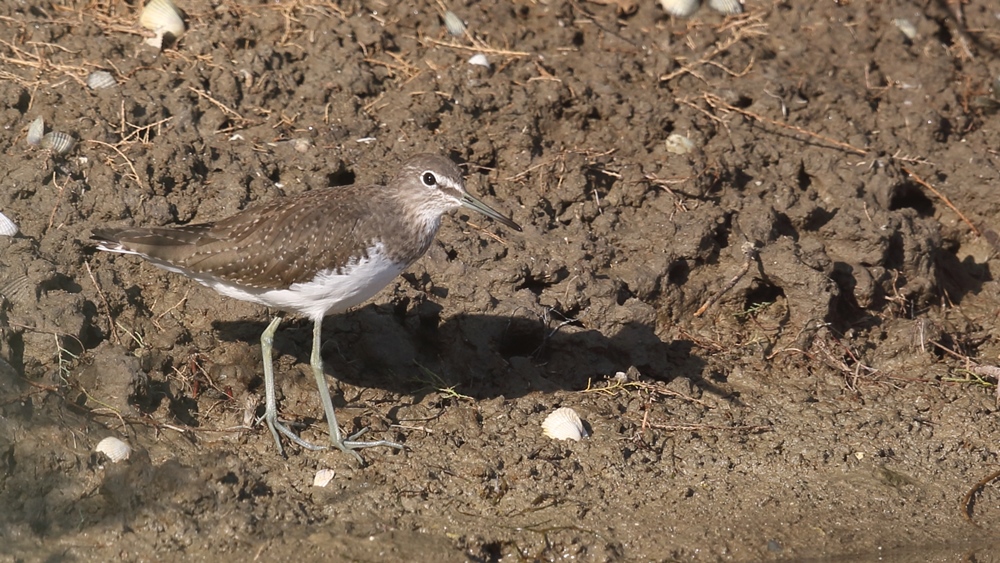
162,18
35,131
323,477
728,7
7,227
57,142
680,8
479,59
17,289
115,449
100,80
564,424
454,24
679,144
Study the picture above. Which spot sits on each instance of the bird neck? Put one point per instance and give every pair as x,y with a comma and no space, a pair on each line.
411,229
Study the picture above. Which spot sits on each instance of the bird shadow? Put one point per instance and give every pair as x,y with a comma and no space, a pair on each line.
479,356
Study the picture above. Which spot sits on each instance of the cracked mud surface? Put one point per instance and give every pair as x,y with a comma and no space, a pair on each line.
837,402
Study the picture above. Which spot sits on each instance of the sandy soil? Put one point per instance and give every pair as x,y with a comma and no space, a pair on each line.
837,403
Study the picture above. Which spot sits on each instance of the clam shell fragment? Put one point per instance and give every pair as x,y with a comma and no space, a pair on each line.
454,24
323,477
35,131
115,449
57,142
101,80
479,59
728,7
564,424
679,144
680,8
7,227
906,27
16,289
162,18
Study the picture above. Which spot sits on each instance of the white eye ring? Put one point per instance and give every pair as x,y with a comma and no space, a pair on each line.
428,179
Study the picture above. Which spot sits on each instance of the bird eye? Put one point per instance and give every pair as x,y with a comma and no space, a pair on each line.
429,179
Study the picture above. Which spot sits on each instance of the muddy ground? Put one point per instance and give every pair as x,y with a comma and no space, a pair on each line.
838,402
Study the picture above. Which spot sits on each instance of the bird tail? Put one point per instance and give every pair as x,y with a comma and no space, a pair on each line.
150,241
108,240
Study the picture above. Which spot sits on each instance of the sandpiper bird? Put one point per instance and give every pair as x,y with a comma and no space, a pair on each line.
315,254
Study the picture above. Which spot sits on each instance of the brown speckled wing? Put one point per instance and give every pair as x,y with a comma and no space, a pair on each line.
270,246
288,242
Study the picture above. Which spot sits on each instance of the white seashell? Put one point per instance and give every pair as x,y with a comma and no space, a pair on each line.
115,449
564,424
35,131
7,227
155,41
323,478
728,7
454,24
247,77
57,142
907,27
680,8
480,60
679,144
300,144
100,80
162,18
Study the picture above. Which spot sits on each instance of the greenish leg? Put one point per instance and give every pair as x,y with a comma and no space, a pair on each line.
350,444
271,405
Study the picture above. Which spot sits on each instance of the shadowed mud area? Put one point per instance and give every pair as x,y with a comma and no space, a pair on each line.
837,402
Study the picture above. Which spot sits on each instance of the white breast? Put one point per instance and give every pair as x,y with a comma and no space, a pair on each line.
328,293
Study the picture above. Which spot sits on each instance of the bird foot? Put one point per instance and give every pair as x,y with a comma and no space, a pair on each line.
277,427
350,445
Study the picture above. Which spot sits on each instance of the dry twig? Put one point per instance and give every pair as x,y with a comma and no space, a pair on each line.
751,26
225,109
967,501
943,198
104,299
480,47
135,175
751,254
717,102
